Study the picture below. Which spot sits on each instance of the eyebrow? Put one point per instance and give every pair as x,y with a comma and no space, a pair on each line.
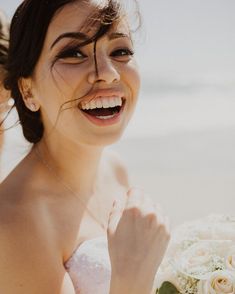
70,35
117,35
82,36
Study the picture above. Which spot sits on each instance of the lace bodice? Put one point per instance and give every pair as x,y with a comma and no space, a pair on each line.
89,267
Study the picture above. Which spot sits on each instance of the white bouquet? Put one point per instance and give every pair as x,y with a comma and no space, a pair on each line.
200,258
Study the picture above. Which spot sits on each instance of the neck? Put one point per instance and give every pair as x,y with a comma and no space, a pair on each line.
76,165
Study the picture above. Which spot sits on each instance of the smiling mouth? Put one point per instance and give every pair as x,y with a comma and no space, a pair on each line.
103,108
103,113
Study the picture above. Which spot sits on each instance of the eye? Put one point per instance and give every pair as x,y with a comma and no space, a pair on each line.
123,54
72,55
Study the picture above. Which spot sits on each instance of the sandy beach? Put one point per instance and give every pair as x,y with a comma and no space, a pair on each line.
179,149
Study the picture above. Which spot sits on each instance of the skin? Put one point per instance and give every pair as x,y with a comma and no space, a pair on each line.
39,216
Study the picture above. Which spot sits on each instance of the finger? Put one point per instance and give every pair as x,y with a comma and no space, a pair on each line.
114,217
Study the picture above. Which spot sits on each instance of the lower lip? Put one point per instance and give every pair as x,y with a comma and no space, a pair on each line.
105,122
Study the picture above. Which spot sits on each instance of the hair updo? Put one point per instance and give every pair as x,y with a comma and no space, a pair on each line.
27,34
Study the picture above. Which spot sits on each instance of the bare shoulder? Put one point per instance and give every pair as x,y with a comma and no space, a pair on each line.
29,259
118,167
23,270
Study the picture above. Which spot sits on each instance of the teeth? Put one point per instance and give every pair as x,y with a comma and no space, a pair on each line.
106,117
118,101
106,103
98,103
103,102
93,104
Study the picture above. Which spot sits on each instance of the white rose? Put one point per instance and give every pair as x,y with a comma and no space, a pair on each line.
195,260
220,282
230,260
166,273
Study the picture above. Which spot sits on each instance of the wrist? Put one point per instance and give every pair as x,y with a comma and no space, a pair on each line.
129,286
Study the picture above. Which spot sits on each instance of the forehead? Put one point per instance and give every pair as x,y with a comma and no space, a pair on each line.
80,16
72,16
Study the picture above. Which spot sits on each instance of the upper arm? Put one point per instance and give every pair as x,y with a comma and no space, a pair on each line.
26,268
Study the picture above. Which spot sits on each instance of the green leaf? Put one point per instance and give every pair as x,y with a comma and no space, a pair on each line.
168,288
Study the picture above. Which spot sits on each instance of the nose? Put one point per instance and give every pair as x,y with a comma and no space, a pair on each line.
103,71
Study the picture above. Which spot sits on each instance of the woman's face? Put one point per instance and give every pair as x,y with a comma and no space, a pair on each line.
100,105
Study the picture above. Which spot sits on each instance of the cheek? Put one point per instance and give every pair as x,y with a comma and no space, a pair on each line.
69,76
133,77
60,84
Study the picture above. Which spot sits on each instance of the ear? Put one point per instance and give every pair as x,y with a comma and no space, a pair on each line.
25,87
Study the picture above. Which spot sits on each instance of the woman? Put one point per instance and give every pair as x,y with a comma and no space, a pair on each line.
68,204
4,94
8,118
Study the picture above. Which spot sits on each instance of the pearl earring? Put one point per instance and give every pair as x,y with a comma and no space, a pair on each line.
33,107
29,100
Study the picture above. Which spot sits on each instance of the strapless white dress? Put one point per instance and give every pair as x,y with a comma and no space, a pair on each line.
89,267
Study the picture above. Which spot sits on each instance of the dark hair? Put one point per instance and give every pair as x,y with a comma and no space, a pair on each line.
27,34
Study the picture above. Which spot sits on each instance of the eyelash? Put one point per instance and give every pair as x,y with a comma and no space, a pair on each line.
127,52
74,51
70,53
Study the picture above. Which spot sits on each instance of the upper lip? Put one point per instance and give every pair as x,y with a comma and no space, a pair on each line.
102,93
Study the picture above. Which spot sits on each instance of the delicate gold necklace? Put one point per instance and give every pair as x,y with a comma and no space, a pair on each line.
103,225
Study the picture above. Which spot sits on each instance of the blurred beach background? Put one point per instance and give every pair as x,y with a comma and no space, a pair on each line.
180,144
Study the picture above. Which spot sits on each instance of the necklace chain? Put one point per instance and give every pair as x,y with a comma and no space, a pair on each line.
69,189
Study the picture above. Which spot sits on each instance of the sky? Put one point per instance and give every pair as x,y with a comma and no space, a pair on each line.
182,41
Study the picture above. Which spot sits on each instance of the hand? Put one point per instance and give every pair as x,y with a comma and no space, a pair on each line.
138,235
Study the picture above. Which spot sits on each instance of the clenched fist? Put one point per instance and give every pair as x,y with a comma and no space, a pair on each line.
138,235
